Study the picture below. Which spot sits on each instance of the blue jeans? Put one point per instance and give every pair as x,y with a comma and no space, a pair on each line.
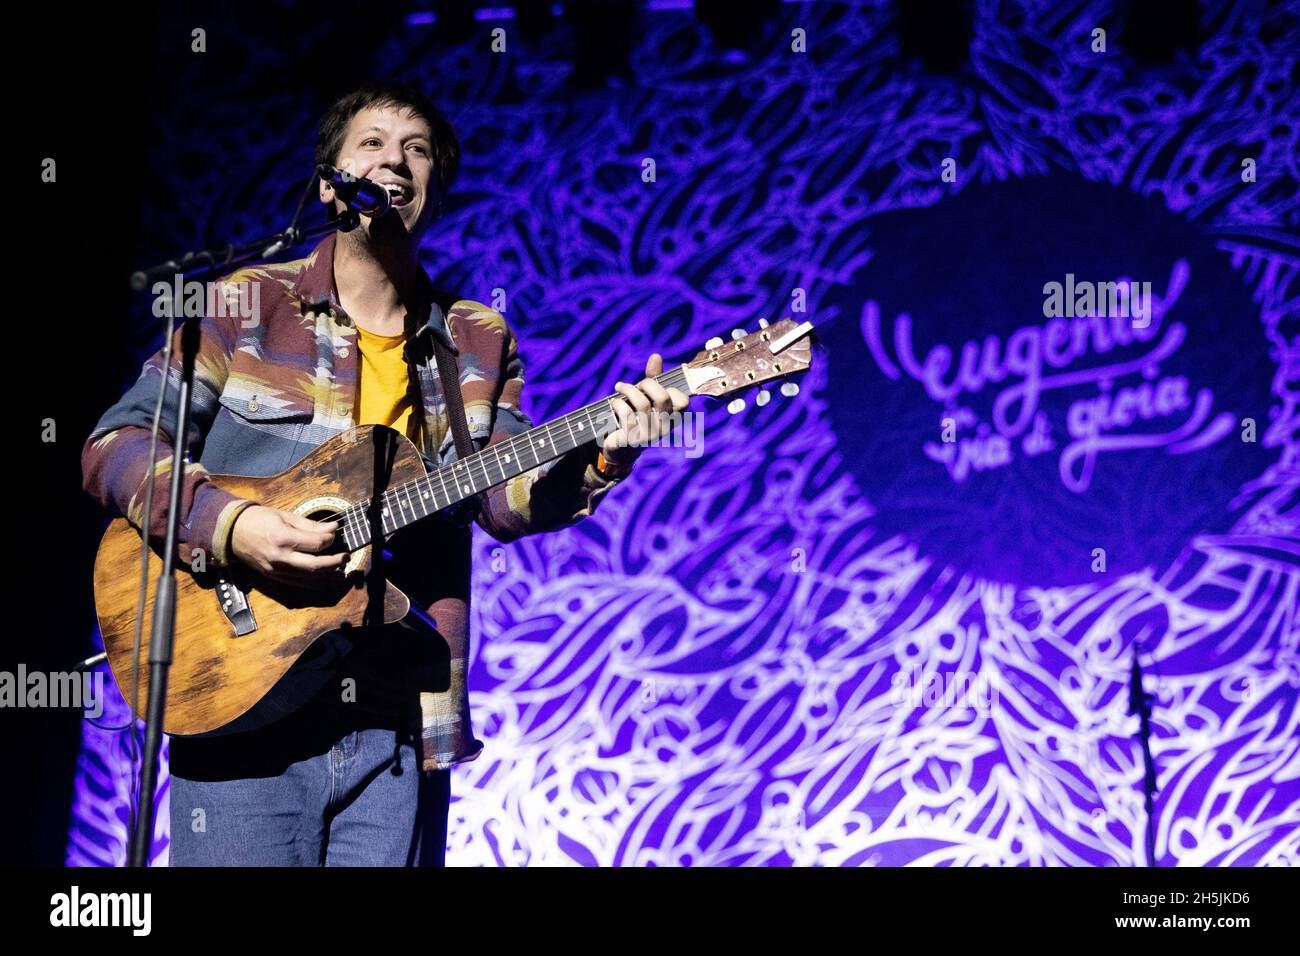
329,785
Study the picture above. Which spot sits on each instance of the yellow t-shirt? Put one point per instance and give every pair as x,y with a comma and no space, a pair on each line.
382,378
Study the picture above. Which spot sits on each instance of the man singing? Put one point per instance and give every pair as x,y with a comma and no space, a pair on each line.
346,762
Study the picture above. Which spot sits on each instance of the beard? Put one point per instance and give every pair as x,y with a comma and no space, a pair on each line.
385,244
384,239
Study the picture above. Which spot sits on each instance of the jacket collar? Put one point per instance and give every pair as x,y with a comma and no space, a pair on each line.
315,289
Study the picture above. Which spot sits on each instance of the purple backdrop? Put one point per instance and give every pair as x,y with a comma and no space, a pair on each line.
819,638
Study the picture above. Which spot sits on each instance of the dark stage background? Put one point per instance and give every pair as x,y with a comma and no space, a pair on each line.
889,620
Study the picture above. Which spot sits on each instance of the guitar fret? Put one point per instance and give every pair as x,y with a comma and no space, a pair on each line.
442,478
473,474
487,482
572,440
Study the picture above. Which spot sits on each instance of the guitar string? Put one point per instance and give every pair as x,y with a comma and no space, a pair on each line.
355,515
507,449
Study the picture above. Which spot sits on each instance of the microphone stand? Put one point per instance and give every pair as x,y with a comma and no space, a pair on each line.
163,627
1140,703
220,258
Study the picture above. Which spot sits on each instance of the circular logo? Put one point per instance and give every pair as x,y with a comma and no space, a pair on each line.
1043,379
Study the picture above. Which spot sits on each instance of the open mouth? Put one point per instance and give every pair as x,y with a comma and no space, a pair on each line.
399,193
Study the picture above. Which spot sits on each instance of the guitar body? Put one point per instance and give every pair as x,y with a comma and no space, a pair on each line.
218,673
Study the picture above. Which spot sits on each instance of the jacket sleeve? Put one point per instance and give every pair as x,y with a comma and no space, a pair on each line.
115,459
552,495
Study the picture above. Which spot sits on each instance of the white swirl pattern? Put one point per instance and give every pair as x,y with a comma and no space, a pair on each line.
706,673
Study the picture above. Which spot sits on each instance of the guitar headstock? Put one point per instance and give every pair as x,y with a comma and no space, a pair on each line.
775,351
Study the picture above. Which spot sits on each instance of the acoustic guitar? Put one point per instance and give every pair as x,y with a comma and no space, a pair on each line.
238,633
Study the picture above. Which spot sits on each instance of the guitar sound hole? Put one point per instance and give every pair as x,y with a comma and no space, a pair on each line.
337,546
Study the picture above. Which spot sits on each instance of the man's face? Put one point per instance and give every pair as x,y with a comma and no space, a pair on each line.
391,146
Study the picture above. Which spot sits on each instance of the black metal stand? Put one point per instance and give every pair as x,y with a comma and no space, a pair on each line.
220,259
163,627
1140,703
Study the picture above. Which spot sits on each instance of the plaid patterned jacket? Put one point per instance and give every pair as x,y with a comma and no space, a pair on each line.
268,391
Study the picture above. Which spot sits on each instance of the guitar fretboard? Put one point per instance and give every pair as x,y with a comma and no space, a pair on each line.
450,484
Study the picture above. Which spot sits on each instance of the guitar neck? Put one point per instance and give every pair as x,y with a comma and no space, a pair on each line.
451,484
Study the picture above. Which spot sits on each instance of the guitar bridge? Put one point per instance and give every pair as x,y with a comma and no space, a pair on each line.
234,604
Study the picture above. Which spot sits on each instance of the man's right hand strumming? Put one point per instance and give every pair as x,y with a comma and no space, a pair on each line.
288,547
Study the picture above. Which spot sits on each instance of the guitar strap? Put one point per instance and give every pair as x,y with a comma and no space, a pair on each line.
450,376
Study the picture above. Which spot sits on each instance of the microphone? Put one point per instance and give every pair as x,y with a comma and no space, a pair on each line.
358,194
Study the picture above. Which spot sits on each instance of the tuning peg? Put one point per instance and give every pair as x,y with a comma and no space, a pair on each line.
762,323
762,398
736,405
737,333
713,343
789,389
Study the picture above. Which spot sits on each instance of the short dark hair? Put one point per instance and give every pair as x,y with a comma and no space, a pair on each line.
334,124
